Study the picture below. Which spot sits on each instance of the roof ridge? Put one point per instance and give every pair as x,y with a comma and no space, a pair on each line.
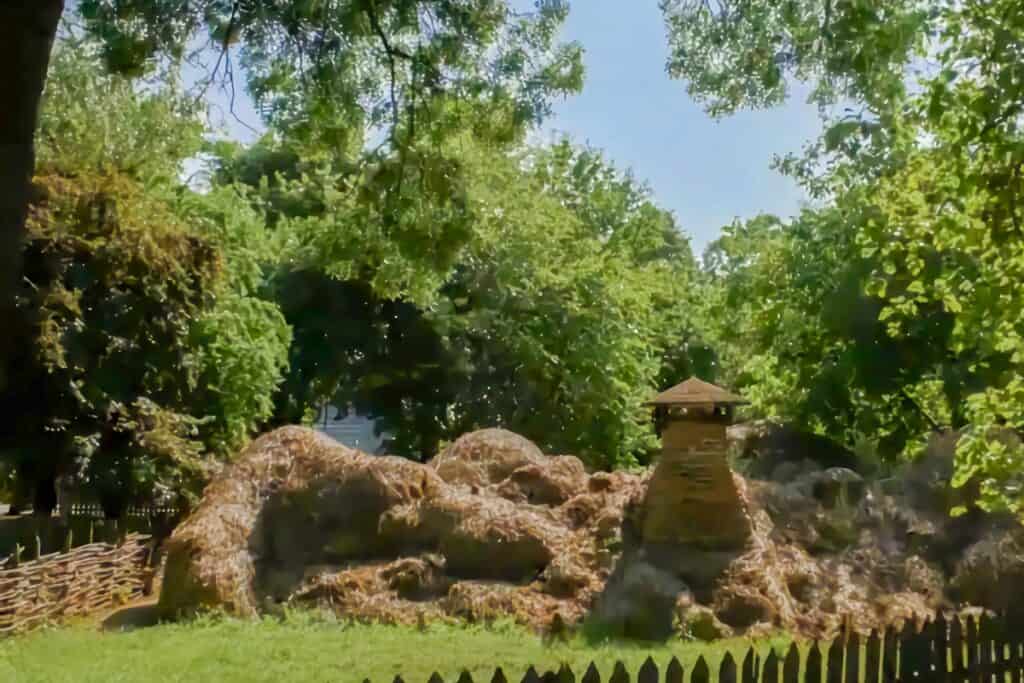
695,391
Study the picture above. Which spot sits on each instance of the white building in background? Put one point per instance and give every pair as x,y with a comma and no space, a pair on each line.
350,429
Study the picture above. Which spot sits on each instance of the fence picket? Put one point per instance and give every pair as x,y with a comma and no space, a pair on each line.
674,672
700,673
852,671
791,667
771,668
648,672
957,666
890,654
1000,642
985,655
748,672
873,658
834,662
727,671
973,669
910,660
1016,628
812,670
988,649
940,645
931,659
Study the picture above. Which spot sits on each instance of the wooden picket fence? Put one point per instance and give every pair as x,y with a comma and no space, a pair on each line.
946,650
94,511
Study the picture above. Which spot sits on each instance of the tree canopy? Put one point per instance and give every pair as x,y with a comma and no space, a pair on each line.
918,176
149,350
399,241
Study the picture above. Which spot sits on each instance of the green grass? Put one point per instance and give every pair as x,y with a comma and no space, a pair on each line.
308,648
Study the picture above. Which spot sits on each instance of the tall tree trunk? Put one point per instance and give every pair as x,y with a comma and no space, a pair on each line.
27,32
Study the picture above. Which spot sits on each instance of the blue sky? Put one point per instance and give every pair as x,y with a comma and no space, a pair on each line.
708,172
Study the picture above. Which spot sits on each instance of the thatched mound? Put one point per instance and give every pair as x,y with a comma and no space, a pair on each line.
257,514
991,571
493,528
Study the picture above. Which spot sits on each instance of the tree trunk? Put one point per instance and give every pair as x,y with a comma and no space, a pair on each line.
27,32
45,500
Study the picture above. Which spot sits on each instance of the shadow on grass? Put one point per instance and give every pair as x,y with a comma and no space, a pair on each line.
131,618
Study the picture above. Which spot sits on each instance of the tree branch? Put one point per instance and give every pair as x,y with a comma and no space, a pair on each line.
392,52
224,47
931,420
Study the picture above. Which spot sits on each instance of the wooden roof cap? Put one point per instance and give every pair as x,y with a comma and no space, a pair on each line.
696,391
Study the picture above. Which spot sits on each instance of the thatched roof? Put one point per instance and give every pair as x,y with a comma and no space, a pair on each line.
696,392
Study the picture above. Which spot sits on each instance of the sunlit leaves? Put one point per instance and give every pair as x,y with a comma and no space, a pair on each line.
94,122
742,54
152,353
927,179
342,71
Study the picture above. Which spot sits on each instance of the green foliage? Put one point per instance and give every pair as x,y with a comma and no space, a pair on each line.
112,286
242,340
923,185
335,70
798,333
743,54
555,312
151,349
93,122
364,98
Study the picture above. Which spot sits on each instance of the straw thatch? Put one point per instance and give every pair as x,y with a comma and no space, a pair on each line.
492,528
696,392
491,509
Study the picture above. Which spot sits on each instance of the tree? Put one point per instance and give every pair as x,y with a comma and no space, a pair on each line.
27,32
745,53
925,177
111,285
147,351
797,331
358,63
562,304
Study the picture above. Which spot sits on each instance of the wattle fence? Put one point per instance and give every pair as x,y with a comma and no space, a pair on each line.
84,580
982,650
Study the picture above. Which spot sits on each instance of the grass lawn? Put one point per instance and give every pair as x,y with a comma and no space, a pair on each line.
307,648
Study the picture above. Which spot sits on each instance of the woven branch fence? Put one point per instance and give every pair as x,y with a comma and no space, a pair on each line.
87,579
942,651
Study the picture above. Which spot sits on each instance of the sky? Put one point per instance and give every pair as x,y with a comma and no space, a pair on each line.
707,172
